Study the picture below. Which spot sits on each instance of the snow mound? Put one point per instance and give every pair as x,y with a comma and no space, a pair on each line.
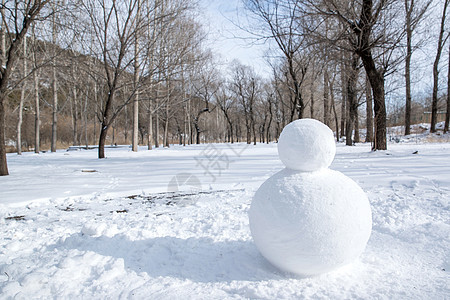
310,223
306,145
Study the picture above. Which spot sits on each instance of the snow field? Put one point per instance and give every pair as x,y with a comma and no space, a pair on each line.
118,234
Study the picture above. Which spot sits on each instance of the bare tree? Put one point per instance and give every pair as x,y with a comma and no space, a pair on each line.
115,25
352,102
282,22
369,112
440,46
206,91
37,113
413,15
54,80
17,18
227,105
135,137
447,114
366,32
245,86
22,98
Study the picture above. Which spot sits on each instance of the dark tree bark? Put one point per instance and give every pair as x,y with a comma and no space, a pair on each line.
326,101
31,11
447,114
377,82
369,113
106,122
281,20
413,15
441,42
344,98
197,125
54,84
409,8
333,106
352,99
363,44
311,94
363,48
356,137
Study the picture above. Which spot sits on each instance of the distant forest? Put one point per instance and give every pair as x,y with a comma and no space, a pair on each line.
139,72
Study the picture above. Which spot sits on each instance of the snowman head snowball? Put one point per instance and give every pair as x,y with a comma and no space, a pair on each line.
306,145
308,219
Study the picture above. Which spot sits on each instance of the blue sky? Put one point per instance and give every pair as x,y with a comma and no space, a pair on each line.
227,39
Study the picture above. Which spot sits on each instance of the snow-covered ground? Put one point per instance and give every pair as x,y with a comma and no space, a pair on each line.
172,224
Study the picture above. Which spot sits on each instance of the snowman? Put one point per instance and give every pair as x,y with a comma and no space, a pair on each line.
308,219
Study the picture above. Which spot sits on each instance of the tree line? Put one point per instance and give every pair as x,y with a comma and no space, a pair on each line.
139,72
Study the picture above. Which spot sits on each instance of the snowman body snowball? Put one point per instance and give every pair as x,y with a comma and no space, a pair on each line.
308,219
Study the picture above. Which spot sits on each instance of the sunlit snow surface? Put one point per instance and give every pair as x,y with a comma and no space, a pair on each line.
69,232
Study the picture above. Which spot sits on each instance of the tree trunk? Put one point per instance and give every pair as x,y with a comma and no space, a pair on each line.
85,116
3,35
352,99
3,95
197,130
150,128
22,99
135,139
96,112
326,103
157,124
166,126
54,86
19,123
54,111
447,114
37,115
185,121
363,48
102,141
75,116
356,138
249,134
377,82
254,132
311,91
231,132
269,123
434,105
344,98
113,137
408,69
3,163
7,65
106,122
333,106
298,100
369,112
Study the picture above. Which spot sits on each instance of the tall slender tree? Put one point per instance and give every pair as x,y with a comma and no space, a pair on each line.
22,98
282,22
447,113
135,137
17,18
37,109
440,45
413,15
369,112
54,79
368,35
